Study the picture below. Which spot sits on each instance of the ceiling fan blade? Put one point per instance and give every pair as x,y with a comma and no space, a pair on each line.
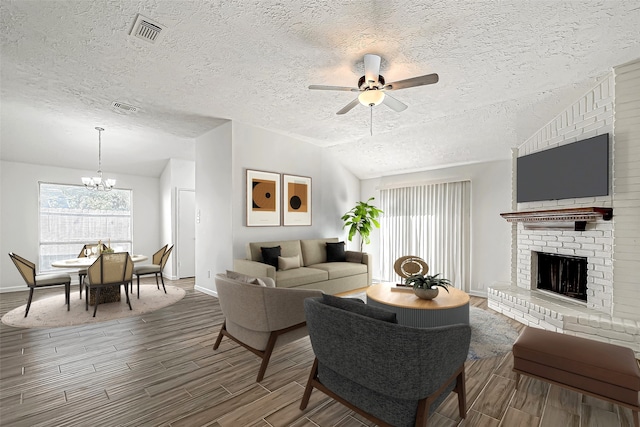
371,68
349,106
428,79
344,88
393,103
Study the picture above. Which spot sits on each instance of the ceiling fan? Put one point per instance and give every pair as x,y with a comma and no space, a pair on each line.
373,88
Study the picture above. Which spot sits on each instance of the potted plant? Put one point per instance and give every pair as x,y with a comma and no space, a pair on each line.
425,286
361,219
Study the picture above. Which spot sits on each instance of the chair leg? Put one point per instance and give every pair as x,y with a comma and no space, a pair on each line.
267,355
67,294
157,284
95,307
138,286
127,295
220,335
162,279
86,298
309,388
462,395
29,302
80,280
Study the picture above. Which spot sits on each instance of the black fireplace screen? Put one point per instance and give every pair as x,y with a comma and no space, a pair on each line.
565,275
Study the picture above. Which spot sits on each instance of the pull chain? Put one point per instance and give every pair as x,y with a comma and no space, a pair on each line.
371,119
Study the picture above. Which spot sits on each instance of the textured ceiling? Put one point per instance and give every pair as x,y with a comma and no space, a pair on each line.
506,68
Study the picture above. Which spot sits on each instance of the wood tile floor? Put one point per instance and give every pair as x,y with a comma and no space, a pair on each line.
159,369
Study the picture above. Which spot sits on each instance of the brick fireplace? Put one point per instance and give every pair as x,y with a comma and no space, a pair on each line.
608,243
576,233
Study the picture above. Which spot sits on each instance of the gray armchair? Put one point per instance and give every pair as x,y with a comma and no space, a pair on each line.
260,318
391,374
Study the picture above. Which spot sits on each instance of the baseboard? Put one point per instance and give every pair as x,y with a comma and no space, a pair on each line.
206,291
481,294
15,289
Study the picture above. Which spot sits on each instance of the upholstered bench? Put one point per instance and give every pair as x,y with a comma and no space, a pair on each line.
598,369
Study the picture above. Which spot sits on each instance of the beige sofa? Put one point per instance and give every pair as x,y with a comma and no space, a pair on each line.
314,271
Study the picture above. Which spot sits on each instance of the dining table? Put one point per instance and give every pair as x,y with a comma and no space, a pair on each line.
107,295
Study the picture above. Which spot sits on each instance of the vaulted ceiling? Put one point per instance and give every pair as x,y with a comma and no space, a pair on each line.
506,68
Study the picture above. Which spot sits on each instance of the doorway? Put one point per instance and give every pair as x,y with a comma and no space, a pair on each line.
186,233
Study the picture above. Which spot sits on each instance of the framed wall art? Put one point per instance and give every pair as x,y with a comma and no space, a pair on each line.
296,201
263,198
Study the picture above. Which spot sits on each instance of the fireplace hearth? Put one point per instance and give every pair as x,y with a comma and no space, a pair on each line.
562,274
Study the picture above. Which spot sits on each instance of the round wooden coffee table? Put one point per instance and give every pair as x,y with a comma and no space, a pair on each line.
446,309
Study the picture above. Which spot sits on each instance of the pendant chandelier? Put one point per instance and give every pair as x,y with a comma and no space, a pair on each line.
97,182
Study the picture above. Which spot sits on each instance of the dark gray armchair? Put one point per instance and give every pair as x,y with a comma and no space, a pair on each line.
391,374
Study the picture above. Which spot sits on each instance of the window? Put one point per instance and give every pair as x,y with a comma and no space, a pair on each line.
72,216
431,222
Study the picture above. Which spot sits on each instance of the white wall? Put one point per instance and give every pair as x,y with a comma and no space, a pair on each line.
177,175
490,234
333,188
214,220
222,158
19,226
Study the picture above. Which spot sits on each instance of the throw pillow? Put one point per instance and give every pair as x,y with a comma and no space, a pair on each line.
270,255
234,275
357,306
258,281
266,281
335,252
288,263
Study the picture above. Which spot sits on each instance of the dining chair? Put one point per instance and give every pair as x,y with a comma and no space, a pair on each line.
28,271
159,261
83,272
109,270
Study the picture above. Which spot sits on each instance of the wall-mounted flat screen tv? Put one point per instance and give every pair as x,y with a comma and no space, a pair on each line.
579,169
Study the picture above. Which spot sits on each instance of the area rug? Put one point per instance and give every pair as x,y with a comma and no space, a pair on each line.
491,335
51,312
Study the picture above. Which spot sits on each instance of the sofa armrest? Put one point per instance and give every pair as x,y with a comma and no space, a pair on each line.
363,258
254,268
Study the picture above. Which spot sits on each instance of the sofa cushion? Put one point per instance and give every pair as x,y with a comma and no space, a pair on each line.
358,307
315,251
335,252
337,270
270,255
289,262
300,276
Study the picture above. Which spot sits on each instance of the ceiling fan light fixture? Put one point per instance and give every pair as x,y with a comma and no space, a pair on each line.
371,97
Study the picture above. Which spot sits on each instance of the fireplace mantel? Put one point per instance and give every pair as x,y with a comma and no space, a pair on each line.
567,218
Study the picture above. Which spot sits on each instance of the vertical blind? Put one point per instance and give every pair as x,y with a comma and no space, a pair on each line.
431,222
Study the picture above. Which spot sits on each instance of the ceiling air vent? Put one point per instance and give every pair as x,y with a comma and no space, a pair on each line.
121,107
146,29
